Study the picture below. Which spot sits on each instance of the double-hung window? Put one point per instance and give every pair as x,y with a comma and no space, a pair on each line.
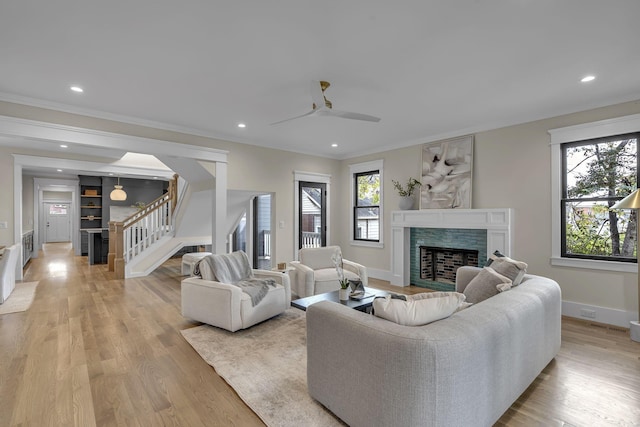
367,203
593,166
596,174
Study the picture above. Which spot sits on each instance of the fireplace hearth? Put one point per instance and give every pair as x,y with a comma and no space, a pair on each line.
440,264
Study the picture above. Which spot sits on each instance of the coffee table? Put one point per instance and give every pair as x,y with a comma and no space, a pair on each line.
361,305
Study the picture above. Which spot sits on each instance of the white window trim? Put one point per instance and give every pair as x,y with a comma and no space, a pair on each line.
599,129
359,168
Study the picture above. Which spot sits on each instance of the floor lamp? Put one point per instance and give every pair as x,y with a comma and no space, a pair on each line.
632,201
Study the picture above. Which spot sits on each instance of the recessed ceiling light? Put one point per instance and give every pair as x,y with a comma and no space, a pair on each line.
110,174
59,170
155,177
242,125
64,146
77,89
334,145
586,79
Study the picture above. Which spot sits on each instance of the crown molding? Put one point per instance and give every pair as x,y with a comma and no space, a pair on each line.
24,128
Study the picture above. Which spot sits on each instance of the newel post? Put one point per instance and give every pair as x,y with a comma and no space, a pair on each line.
116,248
173,191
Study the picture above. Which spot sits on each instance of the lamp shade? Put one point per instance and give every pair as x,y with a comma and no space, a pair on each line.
118,193
632,201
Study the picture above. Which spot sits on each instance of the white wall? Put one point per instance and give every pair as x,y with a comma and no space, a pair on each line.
27,203
251,168
6,195
512,170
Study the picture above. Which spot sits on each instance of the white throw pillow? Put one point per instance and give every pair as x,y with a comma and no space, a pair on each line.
418,309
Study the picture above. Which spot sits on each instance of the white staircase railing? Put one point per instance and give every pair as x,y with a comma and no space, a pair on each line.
136,234
146,227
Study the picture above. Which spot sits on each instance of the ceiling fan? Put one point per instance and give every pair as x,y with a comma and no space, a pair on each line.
323,107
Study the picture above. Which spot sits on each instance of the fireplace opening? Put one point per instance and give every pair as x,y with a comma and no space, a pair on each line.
441,264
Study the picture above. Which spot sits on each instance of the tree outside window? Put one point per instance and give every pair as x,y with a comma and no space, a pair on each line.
367,206
596,174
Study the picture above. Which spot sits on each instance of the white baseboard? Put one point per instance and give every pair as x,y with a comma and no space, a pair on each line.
609,316
379,274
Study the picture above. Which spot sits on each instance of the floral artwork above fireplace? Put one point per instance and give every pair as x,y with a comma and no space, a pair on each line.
447,169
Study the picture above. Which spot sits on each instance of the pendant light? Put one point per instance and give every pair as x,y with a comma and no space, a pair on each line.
118,193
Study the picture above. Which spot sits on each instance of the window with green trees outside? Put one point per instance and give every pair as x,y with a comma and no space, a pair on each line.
596,174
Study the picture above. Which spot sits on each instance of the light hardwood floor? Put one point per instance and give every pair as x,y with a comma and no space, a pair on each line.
93,350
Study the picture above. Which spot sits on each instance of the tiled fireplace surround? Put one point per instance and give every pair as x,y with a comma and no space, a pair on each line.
451,228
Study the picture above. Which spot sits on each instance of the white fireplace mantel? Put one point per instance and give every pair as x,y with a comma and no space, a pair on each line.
497,222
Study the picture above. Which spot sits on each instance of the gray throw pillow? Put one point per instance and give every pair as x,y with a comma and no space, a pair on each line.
514,270
486,284
494,255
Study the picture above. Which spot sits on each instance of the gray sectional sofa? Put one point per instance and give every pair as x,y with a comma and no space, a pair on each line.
465,370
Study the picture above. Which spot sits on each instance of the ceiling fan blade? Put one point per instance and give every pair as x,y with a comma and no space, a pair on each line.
293,118
322,106
353,116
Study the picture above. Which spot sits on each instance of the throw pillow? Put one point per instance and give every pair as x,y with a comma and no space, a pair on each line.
486,284
494,255
418,309
514,270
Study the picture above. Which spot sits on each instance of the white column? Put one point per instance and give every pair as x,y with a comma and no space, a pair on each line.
17,220
219,235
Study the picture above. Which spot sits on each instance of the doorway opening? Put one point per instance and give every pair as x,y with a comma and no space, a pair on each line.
312,215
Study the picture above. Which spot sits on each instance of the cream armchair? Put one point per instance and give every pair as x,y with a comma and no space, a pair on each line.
226,306
316,273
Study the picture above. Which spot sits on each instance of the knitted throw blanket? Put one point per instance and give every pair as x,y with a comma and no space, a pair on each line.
234,269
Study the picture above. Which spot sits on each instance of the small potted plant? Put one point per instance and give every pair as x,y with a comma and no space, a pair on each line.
345,290
406,192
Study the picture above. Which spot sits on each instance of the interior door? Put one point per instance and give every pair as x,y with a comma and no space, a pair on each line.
57,222
262,232
312,215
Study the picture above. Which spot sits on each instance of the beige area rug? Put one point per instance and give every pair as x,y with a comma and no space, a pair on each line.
20,299
267,366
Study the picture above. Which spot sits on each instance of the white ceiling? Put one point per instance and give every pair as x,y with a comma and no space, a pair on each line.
429,69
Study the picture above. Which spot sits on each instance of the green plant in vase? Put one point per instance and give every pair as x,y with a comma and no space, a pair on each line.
406,192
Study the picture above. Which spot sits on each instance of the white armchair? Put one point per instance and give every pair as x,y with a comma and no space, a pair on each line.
226,306
315,273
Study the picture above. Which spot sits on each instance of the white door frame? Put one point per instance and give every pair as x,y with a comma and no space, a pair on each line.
47,184
320,178
47,217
